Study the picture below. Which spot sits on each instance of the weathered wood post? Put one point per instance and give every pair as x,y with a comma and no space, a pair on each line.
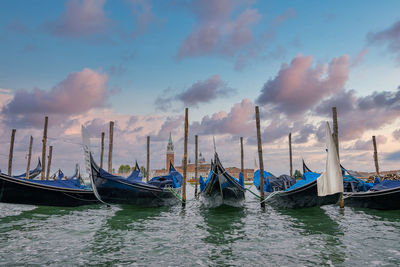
185,158
10,155
102,150
28,165
148,159
335,129
290,155
110,147
44,141
49,162
260,157
375,156
336,139
196,162
241,157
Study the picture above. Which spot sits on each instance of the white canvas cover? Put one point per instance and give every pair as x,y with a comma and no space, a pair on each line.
331,181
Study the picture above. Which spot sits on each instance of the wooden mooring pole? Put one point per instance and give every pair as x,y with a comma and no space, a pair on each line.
148,159
260,157
375,156
44,141
185,158
49,162
336,139
28,165
241,157
10,155
102,150
196,162
110,147
290,155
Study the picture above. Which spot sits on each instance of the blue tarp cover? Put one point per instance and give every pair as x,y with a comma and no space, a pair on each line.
359,185
256,180
202,183
59,183
308,177
173,176
136,175
241,179
385,184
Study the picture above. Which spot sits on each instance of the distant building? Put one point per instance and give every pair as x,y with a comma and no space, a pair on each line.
203,167
170,153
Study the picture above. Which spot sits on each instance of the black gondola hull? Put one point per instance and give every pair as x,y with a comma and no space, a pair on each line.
138,194
214,196
302,197
222,189
388,199
18,191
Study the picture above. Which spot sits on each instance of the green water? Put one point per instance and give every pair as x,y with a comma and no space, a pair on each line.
196,236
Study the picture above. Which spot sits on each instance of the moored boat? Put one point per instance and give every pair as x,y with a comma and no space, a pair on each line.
159,191
66,193
383,195
313,189
220,188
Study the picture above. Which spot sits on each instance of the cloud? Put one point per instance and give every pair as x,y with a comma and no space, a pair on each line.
304,134
395,156
200,92
368,145
80,19
239,121
299,86
215,32
396,134
359,57
170,125
205,91
389,37
76,94
359,114
264,39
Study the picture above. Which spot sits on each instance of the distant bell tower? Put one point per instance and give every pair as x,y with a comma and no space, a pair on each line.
170,152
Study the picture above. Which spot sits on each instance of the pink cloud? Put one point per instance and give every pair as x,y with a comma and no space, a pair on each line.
359,57
216,32
239,121
80,18
78,93
299,86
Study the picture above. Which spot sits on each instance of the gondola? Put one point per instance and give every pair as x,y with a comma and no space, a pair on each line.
220,188
383,195
65,193
313,190
159,191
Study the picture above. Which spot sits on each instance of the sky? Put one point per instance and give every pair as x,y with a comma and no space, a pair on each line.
140,63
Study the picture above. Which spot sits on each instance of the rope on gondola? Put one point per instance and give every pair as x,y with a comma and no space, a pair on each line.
253,193
175,194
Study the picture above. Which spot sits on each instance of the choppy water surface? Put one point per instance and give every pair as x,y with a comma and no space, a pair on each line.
172,236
